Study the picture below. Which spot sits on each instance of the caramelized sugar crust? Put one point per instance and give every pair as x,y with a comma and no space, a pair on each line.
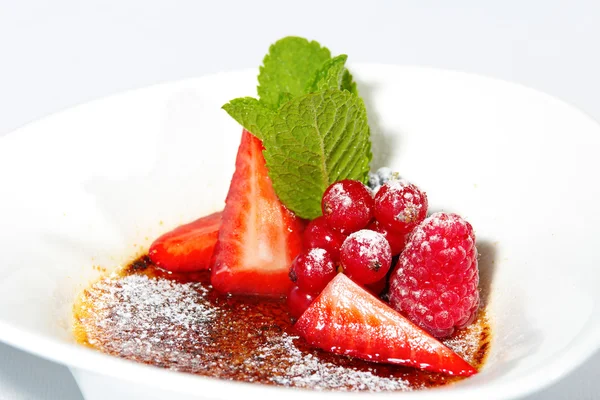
179,322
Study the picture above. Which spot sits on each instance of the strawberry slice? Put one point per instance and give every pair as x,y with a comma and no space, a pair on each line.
259,237
346,319
188,247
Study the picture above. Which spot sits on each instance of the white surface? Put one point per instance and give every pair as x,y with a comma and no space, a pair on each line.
57,54
168,136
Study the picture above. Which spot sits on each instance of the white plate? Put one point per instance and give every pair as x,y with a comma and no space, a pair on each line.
92,186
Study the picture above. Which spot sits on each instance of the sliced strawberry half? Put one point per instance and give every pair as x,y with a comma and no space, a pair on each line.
259,237
188,247
346,319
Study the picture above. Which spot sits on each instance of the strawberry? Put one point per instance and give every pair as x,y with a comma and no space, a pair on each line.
346,319
259,237
188,247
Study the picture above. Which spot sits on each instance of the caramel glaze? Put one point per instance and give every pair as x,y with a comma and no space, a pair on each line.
247,339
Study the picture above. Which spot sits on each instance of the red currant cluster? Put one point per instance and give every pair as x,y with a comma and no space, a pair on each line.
358,233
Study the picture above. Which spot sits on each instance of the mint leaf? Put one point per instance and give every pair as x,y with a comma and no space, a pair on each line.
285,97
315,140
291,63
348,83
333,74
255,117
329,76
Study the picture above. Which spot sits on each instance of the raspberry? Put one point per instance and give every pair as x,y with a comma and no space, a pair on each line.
347,206
312,270
319,235
400,205
435,281
366,256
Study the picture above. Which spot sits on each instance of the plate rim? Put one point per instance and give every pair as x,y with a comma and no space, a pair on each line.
73,355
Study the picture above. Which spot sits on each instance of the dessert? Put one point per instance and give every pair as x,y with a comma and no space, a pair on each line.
289,284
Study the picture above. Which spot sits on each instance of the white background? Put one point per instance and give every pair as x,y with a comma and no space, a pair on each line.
57,54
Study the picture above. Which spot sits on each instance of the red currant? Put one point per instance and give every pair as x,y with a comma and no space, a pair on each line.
312,270
347,206
400,206
366,256
396,240
298,301
319,234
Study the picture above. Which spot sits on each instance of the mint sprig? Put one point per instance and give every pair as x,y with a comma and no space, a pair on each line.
315,140
311,121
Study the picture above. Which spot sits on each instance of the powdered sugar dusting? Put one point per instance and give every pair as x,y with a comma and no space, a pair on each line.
371,243
317,255
147,316
188,327
472,342
308,371
406,199
339,195
142,318
398,184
